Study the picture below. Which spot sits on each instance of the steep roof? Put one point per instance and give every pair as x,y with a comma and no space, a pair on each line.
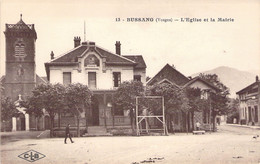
21,28
111,58
39,80
170,73
138,59
201,80
71,57
2,79
248,88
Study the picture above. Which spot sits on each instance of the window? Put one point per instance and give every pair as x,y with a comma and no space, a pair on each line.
92,80
204,95
250,114
66,78
137,77
256,114
116,78
19,48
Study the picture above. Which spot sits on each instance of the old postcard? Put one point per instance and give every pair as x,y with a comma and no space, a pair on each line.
130,82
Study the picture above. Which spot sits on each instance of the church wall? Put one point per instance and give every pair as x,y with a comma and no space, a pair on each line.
20,77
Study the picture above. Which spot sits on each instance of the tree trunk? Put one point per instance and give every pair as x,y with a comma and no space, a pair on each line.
131,115
105,118
187,122
78,131
59,119
166,122
192,119
146,125
113,116
51,129
170,124
3,123
214,122
36,123
86,119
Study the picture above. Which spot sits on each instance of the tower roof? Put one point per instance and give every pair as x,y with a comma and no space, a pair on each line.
20,26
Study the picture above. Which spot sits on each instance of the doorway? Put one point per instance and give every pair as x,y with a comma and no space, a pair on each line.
22,122
95,111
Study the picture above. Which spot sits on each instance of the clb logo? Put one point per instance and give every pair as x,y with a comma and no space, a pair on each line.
31,156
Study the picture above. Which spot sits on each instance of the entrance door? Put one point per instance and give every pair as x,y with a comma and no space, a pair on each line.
22,123
95,112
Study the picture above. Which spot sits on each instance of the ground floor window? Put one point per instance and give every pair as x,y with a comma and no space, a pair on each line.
66,78
249,114
256,114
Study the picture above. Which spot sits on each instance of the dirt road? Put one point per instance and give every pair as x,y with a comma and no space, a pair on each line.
225,146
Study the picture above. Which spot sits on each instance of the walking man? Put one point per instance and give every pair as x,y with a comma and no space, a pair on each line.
67,134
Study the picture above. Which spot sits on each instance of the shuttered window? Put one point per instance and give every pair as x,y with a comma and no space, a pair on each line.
66,78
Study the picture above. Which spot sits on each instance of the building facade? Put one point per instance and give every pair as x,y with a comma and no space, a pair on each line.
102,71
168,74
249,103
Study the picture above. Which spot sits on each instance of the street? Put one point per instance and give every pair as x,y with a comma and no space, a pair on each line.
230,144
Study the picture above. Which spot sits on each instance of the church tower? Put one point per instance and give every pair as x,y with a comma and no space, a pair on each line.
20,76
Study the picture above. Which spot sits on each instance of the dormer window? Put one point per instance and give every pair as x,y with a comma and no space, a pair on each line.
91,61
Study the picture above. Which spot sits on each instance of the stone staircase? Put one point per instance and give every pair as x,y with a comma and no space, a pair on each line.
96,131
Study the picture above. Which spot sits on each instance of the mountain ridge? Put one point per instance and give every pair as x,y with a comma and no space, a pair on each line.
233,78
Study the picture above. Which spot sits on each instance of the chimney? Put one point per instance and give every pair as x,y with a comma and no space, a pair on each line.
76,41
118,48
256,79
52,55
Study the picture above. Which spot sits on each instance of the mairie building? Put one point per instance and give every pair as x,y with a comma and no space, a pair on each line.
102,71
87,63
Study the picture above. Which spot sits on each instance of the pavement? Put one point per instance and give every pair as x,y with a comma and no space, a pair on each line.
231,144
21,135
244,126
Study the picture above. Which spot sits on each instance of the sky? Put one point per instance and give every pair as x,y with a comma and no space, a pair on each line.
191,47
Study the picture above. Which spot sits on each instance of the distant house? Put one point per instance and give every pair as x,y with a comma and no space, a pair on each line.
168,74
249,103
103,72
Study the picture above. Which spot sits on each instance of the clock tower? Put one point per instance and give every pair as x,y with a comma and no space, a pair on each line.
20,76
